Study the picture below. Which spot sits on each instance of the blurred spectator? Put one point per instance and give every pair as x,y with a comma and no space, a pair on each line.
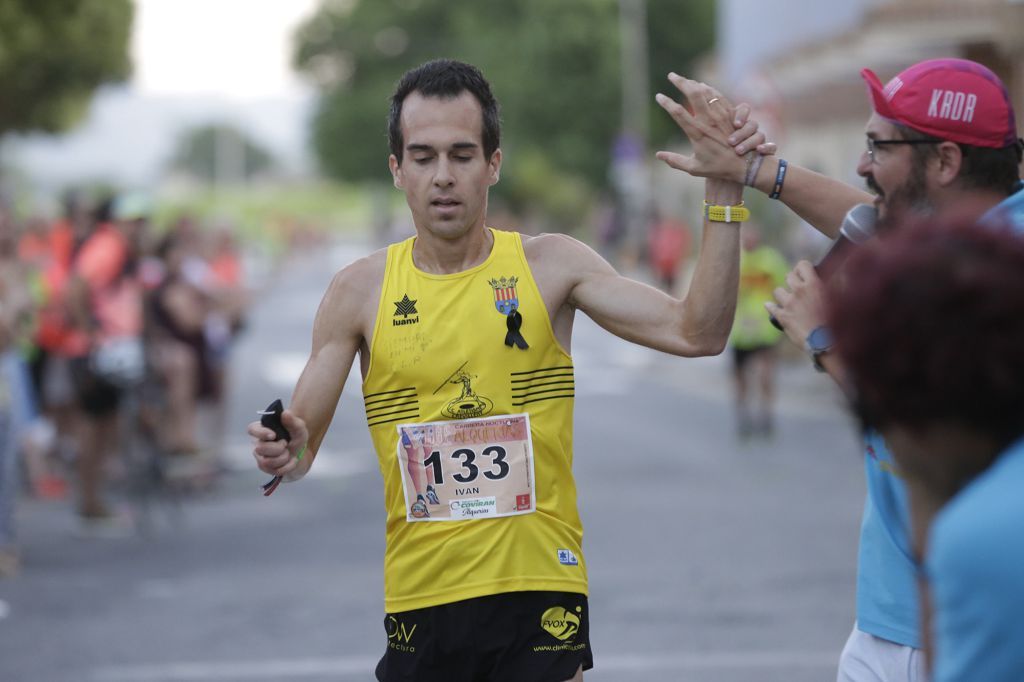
105,298
16,400
226,281
932,340
754,340
185,229
610,226
195,312
669,247
51,250
179,309
230,301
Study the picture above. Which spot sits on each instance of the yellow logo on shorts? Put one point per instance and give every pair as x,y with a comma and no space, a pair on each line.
399,636
561,624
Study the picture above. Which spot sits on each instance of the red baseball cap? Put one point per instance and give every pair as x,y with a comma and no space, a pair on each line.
951,99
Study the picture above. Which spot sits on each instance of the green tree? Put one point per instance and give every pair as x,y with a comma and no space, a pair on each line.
678,34
553,65
220,152
53,56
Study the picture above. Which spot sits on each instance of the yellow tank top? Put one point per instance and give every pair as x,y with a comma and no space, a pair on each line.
438,354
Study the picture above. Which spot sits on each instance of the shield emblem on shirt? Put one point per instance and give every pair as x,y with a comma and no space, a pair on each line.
506,299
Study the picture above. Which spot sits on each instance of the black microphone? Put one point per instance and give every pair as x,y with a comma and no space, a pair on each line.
858,227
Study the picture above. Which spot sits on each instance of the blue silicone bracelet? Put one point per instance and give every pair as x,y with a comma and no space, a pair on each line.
780,178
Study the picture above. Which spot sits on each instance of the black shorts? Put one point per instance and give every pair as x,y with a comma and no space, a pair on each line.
96,396
740,356
510,637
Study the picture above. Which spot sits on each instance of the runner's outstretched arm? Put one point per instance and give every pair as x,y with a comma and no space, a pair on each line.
337,337
698,324
695,326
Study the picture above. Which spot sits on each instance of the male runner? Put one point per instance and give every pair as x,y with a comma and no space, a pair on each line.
754,341
942,132
464,334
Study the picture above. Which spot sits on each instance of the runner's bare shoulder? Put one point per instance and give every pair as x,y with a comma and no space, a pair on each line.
560,255
354,293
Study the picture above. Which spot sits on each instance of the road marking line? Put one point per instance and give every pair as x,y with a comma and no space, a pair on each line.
723,660
235,670
282,669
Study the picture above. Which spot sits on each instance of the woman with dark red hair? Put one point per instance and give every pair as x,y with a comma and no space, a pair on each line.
932,342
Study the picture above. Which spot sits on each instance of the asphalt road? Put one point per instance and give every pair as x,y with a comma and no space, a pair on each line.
710,559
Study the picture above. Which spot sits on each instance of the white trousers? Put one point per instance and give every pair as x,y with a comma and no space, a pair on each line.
867,658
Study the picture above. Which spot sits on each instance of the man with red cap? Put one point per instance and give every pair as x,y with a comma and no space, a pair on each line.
942,131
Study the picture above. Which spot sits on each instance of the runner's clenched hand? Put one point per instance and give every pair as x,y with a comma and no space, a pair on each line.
278,457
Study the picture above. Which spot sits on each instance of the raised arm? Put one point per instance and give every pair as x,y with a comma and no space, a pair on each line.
819,200
339,332
699,324
572,276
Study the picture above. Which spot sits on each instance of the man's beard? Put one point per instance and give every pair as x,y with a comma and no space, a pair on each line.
909,198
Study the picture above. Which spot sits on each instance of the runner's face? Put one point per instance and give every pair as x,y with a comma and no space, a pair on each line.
443,171
892,173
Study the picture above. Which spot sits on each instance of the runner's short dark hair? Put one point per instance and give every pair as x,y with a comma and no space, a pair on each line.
933,331
983,168
445,78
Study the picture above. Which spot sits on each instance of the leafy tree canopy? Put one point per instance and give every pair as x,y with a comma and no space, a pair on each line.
54,54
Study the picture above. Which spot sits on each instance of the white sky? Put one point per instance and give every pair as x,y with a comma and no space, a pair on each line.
229,48
194,62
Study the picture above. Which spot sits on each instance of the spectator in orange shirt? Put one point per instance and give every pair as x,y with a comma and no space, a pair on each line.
51,249
669,248
105,295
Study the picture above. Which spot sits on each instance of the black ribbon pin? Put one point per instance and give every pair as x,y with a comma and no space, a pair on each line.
513,321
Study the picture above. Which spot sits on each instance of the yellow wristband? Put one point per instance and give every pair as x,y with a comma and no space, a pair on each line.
726,214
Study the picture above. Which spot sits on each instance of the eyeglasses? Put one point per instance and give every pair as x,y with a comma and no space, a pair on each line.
874,144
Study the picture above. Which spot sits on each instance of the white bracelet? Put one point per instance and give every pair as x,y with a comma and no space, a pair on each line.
753,169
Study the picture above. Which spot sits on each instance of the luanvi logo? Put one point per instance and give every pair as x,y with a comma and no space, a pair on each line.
560,623
405,308
399,635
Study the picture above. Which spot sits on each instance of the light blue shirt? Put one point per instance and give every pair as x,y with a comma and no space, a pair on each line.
886,583
976,567
1010,209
